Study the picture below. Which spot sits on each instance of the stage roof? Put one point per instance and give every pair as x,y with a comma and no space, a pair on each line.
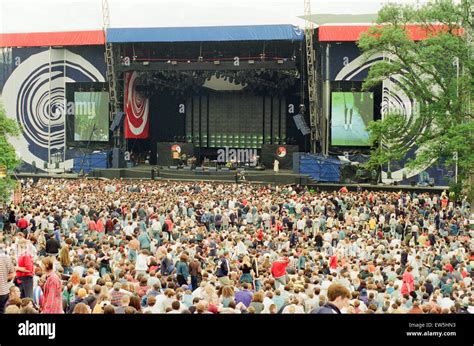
38,39
206,34
351,33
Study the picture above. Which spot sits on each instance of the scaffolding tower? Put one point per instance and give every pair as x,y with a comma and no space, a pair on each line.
111,75
311,78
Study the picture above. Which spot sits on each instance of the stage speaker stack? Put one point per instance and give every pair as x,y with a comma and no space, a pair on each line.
348,174
118,160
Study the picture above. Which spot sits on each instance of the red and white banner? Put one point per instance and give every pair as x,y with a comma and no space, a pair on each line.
137,118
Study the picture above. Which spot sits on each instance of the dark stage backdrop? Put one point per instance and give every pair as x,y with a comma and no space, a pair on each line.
167,124
168,153
282,153
235,119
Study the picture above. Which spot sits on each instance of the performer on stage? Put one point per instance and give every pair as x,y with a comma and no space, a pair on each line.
276,166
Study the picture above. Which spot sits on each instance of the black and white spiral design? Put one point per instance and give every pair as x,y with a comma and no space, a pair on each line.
35,98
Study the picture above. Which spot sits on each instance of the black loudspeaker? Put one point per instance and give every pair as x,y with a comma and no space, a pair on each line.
118,159
348,174
282,153
413,183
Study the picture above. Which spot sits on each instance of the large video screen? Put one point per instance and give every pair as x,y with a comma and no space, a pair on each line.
91,116
351,113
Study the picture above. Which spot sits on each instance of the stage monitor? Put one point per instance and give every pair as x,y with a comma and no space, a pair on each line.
351,112
91,116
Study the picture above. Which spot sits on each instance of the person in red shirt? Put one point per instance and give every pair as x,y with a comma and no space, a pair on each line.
22,224
278,271
408,286
260,236
333,262
25,270
53,301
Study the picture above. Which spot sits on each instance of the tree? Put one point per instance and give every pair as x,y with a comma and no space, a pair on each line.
8,158
436,72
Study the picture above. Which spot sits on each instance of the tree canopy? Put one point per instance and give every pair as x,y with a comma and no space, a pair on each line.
436,72
8,157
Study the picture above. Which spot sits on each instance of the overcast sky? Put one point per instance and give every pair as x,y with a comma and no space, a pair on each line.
67,15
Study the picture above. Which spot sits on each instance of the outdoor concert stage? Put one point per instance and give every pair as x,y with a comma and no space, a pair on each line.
283,177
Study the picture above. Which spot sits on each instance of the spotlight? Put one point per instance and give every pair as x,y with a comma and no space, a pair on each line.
217,62
280,61
189,61
251,62
169,61
174,62
146,63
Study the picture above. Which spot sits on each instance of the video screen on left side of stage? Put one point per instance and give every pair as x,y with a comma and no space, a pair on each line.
351,112
91,116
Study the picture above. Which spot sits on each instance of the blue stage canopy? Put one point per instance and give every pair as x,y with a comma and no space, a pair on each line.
206,34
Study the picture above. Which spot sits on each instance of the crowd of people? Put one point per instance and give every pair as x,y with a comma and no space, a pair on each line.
129,246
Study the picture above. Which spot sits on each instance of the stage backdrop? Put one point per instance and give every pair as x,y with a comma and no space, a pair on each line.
137,121
169,152
282,153
31,91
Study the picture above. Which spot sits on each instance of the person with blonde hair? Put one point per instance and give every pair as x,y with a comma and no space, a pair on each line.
246,268
25,269
210,295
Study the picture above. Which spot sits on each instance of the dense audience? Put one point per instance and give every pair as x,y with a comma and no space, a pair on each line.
128,247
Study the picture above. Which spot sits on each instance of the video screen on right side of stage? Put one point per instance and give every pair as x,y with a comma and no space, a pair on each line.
351,112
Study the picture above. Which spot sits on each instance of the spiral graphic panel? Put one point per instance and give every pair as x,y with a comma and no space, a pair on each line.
394,100
34,96
137,120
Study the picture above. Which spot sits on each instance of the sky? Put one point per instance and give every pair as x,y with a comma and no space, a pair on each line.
68,15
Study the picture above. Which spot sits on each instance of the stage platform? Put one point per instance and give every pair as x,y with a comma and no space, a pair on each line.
283,177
